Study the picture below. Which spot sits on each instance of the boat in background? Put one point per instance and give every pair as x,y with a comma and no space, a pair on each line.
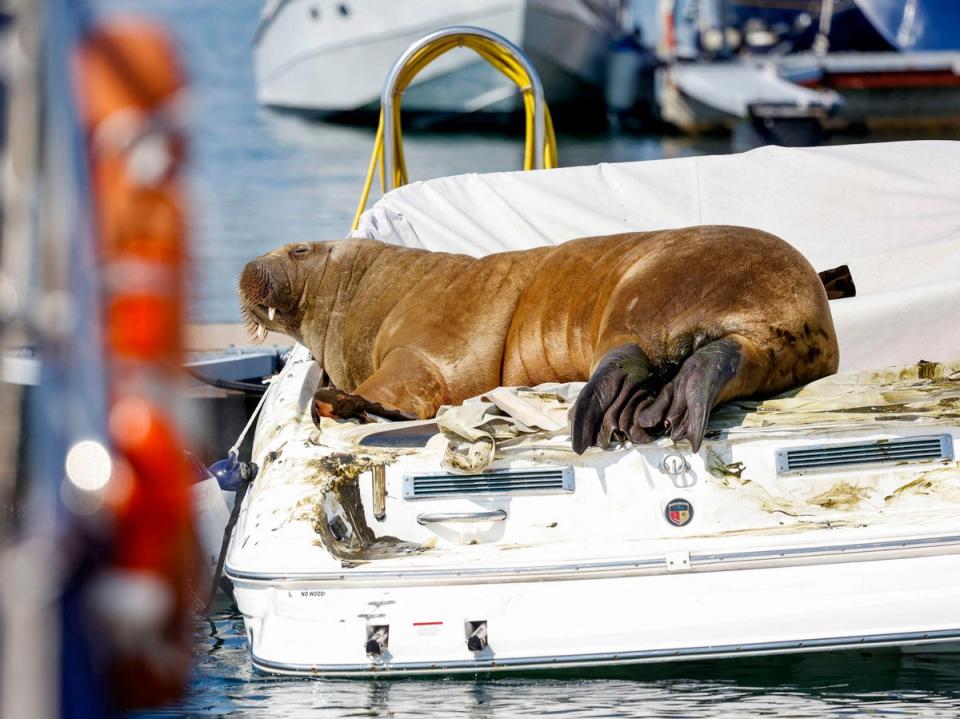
328,59
588,55
786,72
322,57
848,25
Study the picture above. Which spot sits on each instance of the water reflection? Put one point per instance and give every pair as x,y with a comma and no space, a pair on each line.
878,683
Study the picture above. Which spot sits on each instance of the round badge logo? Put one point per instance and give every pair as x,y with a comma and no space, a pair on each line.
679,512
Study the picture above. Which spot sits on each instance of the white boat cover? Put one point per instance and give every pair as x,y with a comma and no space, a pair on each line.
507,420
891,211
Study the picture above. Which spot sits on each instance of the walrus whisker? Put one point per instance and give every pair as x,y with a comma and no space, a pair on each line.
252,325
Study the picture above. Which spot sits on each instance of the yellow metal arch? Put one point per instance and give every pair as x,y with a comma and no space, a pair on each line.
499,53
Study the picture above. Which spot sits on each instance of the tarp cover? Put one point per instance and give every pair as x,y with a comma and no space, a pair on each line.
508,419
891,211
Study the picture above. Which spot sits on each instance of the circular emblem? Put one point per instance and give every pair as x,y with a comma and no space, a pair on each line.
679,512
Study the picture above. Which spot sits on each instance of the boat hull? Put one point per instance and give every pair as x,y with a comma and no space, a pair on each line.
304,626
330,64
805,538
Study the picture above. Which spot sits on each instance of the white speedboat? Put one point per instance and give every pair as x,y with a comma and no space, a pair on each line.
330,56
825,519
326,57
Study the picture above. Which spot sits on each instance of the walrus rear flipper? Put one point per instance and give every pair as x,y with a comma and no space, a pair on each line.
626,396
696,388
623,380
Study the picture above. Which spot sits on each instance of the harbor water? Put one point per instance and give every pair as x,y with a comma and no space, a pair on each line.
259,179
873,684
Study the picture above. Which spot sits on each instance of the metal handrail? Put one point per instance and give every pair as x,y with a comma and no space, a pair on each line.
497,515
390,93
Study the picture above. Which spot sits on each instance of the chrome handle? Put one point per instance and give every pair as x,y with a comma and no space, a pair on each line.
390,96
497,515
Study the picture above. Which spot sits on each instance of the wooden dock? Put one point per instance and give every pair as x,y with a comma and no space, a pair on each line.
218,337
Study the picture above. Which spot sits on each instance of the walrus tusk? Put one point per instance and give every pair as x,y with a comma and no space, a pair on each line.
271,312
261,332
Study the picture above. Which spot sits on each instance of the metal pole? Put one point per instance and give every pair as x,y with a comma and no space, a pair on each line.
390,93
822,42
29,657
21,151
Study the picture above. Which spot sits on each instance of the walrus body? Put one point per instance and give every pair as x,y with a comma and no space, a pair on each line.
664,325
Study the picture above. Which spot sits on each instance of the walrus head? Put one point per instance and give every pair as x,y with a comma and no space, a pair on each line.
275,288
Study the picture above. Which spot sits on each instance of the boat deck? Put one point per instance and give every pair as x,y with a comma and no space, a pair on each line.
311,513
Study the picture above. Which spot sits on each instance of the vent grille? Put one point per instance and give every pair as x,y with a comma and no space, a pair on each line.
516,481
876,452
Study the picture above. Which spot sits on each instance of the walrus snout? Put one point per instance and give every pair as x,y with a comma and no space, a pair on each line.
263,283
255,284
265,290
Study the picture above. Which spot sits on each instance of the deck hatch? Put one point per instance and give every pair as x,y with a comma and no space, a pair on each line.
546,480
875,452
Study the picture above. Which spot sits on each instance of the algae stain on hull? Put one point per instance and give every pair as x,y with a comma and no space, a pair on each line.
336,512
729,475
843,496
927,370
943,482
725,470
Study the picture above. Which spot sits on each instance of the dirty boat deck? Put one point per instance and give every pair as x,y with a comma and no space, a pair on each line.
320,562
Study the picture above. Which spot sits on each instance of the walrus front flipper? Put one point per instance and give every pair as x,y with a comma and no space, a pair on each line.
696,387
408,380
337,404
622,381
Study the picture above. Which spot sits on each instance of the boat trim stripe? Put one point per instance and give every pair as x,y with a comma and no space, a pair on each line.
716,561
610,658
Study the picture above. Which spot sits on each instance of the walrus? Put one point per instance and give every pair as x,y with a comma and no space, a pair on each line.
662,326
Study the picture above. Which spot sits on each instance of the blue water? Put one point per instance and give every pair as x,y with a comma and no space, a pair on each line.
257,180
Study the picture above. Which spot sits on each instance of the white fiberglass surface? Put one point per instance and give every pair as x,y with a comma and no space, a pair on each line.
312,507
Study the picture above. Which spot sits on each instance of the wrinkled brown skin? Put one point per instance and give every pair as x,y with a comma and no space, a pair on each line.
707,313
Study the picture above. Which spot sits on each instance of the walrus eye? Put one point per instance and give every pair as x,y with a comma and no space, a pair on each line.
300,251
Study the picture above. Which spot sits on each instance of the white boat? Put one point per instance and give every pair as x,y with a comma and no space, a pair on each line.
326,57
782,73
824,520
